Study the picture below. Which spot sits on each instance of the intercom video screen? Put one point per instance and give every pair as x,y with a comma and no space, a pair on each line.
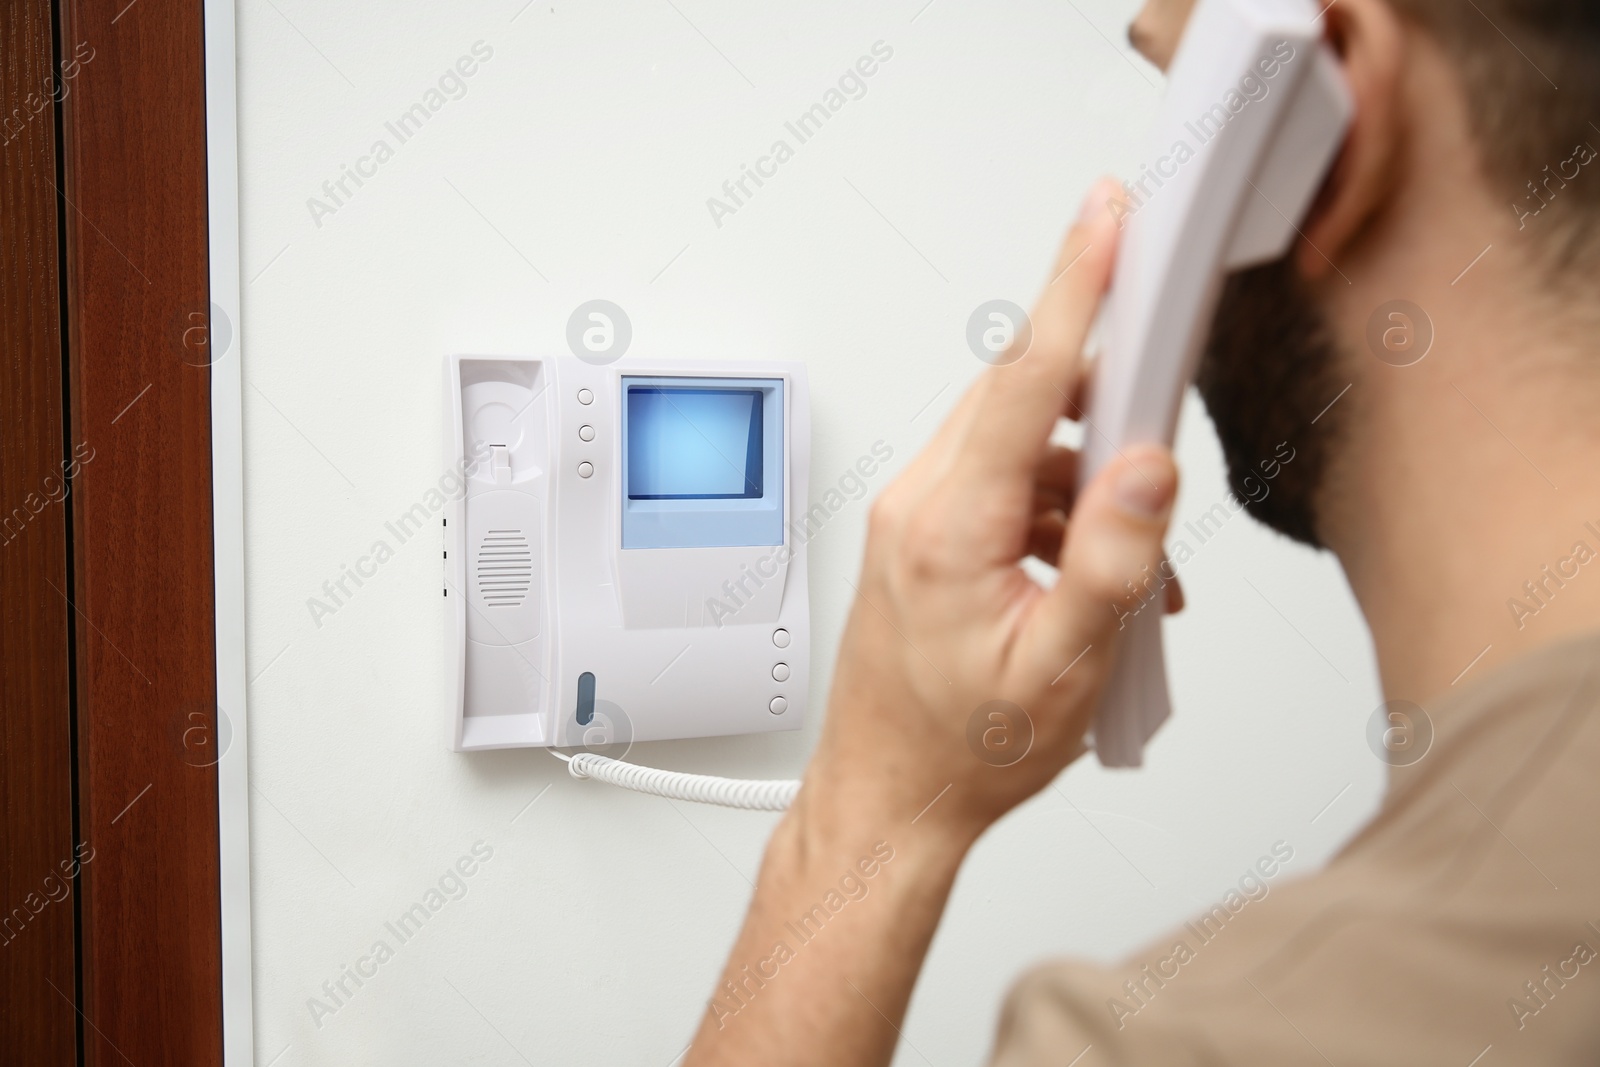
694,443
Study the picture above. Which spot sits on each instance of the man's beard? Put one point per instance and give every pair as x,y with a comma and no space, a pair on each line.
1269,372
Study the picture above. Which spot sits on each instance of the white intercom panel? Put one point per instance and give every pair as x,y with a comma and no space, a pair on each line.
628,561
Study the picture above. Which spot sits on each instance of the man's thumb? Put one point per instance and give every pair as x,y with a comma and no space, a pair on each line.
1110,559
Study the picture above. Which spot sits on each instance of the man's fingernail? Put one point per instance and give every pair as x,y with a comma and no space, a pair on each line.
1147,493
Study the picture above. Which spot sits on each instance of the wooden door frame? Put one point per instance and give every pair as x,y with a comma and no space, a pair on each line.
38,743
124,744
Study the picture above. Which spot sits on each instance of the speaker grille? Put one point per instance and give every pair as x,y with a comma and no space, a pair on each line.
505,568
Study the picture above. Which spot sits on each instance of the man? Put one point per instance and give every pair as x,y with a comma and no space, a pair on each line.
1460,493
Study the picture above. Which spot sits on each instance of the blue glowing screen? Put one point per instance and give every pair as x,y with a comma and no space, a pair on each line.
694,444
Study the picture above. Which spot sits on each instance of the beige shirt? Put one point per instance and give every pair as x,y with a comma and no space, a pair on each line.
1460,927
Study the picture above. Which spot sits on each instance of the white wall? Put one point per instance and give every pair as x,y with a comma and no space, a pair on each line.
577,166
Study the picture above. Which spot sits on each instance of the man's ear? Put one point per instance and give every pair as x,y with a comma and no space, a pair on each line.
1370,39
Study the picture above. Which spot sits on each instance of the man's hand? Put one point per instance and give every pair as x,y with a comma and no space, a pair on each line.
953,661
958,674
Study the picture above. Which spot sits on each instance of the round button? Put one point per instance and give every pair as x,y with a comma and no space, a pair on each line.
585,396
585,469
780,673
778,706
780,638
586,433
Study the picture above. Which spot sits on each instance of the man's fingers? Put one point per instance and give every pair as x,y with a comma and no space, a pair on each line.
1023,400
1058,469
1175,597
936,456
1078,401
1047,534
933,462
1111,557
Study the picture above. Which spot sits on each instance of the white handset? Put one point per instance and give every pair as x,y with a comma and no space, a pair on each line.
1254,113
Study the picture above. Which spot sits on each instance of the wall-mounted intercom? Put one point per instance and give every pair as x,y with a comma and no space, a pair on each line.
626,556
628,561
1254,114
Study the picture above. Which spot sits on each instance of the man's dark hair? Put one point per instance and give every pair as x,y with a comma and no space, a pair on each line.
1531,71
